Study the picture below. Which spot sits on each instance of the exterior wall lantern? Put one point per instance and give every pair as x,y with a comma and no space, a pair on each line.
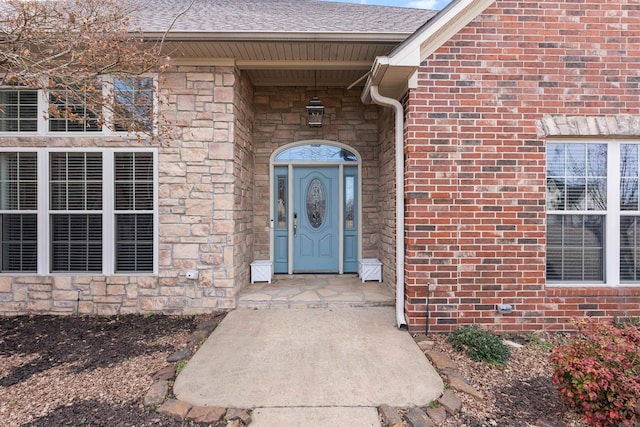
315,113
315,109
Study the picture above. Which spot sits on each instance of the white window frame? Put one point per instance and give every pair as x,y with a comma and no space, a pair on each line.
43,108
21,212
611,215
108,212
108,117
38,113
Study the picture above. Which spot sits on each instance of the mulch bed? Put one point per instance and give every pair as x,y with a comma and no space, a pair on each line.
95,371
37,352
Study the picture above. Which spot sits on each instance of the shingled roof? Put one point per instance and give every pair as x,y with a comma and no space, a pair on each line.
278,16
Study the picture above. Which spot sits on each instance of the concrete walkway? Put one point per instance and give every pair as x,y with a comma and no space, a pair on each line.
309,367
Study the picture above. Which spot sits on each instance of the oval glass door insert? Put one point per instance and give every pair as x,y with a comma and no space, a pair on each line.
316,203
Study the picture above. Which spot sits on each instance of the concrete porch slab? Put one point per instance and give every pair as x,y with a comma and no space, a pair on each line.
297,358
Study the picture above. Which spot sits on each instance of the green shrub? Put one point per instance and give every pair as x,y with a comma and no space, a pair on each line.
481,345
627,320
598,373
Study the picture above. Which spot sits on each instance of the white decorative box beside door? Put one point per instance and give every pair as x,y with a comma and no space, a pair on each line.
370,269
261,271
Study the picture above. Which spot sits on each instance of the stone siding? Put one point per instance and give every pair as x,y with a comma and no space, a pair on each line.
280,119
202,208
387,195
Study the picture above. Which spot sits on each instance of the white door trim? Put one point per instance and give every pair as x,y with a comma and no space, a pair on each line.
290,164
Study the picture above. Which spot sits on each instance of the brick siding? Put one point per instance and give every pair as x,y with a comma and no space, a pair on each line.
475,170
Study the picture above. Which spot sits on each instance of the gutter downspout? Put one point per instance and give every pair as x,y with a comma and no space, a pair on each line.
399,141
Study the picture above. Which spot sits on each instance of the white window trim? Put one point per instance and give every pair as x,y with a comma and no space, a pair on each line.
108,212
43,108
106,130
612,215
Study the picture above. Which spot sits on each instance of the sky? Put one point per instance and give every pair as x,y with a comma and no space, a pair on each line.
418,4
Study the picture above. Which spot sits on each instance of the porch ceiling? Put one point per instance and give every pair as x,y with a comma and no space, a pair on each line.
289,63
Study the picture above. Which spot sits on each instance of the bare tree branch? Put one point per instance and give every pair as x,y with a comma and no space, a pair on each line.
72,44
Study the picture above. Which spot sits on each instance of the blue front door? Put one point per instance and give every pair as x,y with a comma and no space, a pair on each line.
316,237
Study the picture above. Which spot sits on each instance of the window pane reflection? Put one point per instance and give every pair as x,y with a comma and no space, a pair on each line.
317,153
349,199
282,202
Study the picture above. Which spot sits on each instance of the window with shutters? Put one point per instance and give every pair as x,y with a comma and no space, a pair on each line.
97,211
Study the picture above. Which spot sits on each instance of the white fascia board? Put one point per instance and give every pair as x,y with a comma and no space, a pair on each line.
277,36
376,74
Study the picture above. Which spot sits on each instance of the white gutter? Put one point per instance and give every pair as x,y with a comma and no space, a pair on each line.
399,141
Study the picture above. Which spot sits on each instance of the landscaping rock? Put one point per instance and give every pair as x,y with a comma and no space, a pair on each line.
235,423
424,342
451,402
448,373
179,355
416,417
440,360
241,414
459,384
206,414
512,344
166,373
175,408
197,337
390,416
438,415
209,325
426,345
157,393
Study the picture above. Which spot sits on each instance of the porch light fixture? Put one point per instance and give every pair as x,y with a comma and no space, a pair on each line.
315,109
315,112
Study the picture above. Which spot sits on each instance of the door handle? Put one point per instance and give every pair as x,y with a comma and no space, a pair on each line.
295,224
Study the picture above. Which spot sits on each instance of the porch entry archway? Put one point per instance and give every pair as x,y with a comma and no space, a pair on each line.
315,208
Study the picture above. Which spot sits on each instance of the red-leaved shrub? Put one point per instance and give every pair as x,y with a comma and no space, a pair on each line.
598,373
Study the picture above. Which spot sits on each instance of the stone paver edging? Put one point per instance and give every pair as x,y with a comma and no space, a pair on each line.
158,394
448,404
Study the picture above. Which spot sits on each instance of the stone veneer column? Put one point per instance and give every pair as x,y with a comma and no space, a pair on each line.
197,225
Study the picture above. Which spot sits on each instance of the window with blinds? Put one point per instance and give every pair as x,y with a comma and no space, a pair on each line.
99,212
18,212
134,211
70,112
18,111
76,211
593,212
